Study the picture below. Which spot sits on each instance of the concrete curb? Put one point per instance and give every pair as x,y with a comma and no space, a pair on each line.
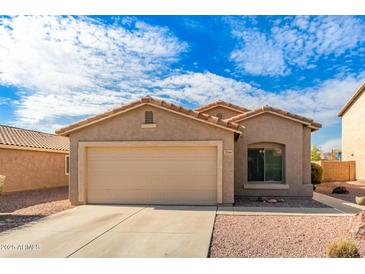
281,211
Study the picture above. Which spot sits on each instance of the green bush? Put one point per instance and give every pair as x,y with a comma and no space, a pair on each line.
343,249
316,173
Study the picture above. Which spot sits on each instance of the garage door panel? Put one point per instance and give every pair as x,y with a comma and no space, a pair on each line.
153,168
152,175
111,196
134,182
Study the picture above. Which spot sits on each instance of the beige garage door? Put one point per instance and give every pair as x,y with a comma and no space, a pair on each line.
152,175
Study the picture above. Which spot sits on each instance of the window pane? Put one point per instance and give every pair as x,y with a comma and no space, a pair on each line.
273,165
256,164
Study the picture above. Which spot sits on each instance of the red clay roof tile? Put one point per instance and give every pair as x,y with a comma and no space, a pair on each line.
224,104
152,101
13,136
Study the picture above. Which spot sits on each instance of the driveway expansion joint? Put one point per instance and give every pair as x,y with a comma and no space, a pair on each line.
107,230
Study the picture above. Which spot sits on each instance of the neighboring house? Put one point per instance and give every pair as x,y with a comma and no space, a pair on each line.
334,155
353,131
32,160
154,152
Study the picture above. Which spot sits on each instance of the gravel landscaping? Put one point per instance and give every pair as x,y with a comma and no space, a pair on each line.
23,207
309,203
278,236
355,189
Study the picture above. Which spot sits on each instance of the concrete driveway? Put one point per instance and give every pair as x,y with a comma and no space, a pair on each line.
115,231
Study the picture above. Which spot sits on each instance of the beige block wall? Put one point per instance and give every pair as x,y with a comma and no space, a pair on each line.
226,112
353,136
295,138
29,170
338,170
170,127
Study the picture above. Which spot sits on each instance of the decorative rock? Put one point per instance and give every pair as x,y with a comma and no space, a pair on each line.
357,226
272,201
340,190
360,200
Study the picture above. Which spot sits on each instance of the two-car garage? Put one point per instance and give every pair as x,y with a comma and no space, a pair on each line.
152,152
151,173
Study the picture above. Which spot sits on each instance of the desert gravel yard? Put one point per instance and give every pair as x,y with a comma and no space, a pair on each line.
23,207
278,236
310,203
355,189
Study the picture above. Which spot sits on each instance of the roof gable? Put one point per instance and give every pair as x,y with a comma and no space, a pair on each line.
275,111
352,100
221,103
205,118
13,137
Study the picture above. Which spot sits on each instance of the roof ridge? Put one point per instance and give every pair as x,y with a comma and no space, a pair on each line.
266,108
154,101
224,104
25,129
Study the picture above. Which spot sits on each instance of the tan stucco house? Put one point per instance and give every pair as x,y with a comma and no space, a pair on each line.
32,160
154,152
353,131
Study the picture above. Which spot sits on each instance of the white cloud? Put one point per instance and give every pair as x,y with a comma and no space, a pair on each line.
69,66
331,144
259,55
294,42
4,101
321,103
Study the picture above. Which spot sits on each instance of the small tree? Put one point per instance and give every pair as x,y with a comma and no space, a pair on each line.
315,153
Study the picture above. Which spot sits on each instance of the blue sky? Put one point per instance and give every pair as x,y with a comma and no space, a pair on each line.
57,70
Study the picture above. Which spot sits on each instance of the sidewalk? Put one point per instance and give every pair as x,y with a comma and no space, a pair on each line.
337,207
341,205
280,211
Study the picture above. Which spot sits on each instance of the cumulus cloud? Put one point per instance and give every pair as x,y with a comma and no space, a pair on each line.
67,68
78,66
322,102
294,42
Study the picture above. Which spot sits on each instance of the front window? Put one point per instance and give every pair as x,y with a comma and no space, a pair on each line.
265,165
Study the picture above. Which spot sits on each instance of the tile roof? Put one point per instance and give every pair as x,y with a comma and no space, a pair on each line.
281,112
352,100
19,137
156,102
222,103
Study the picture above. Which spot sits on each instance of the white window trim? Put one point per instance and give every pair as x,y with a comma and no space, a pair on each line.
67,160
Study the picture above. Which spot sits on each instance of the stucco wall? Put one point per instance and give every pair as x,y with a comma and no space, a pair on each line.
295,138
353,136
28,170
226,113
170,127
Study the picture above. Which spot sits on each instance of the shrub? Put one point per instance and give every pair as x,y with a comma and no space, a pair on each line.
316,173
343,249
